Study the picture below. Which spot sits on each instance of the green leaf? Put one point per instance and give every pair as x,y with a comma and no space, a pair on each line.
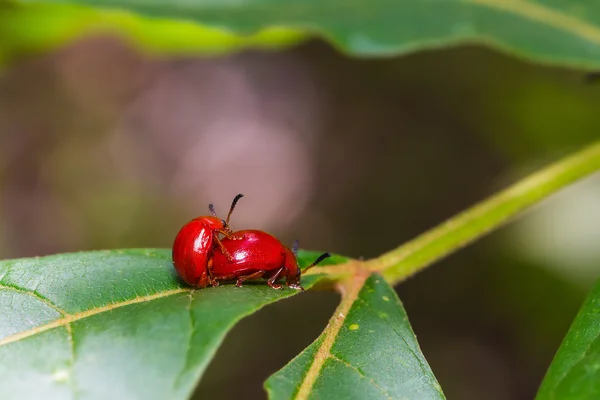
566,32
26,28
113,325
368,351
575,370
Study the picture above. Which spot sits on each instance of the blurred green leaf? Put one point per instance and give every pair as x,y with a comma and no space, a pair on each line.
368,351
113,324
575,370
26,28
566,32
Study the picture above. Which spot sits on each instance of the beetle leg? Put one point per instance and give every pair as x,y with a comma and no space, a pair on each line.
253,275
273,279
211,279
227,234
296,286
230,235
223,249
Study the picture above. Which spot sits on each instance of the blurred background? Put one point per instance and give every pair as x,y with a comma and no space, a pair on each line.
103,147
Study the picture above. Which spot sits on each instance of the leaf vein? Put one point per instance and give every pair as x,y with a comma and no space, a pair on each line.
37,296
362,375
69,318
546,15
408,346
71,340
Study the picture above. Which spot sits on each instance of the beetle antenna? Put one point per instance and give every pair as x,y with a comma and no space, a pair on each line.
317,261
212,210
233,203
295,247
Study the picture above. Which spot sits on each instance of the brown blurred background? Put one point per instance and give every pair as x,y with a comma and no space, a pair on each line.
104,147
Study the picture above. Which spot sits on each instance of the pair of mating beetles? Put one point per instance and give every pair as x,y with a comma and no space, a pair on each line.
201,257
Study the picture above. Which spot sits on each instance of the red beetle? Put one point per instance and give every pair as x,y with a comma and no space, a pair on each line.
256,254
195,244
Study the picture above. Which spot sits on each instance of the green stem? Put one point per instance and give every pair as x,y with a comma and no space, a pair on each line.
400,263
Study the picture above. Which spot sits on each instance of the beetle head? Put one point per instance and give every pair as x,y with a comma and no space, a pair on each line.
222,225
214,223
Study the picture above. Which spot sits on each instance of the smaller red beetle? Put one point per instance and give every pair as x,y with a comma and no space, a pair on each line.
195,244
256,254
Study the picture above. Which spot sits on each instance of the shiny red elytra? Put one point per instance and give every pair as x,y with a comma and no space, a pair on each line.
256,254
195,244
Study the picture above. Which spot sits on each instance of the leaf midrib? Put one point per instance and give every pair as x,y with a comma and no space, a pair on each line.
67,319
350,293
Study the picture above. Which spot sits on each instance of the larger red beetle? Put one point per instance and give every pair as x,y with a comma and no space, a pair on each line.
195,244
